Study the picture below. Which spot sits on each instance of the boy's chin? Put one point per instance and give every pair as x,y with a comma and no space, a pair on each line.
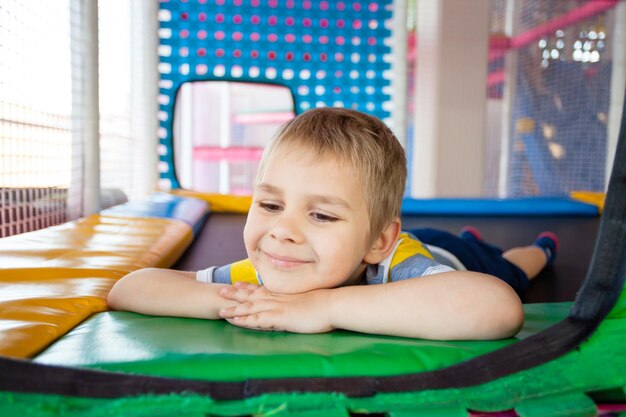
278,287
275,288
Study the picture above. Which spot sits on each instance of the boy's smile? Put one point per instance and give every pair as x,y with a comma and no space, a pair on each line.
308,227
284,262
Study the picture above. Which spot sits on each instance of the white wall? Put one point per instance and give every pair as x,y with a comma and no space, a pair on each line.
450,102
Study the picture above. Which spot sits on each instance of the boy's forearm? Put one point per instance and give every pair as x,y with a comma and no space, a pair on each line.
454,305
167,293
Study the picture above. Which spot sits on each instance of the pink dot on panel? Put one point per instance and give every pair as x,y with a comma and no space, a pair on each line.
237,36
184,33
237,19
219,35
307,38
336,90
255,36
306,56
324,23
323,5
338,57
356,6
340,40
219,18
290,38
184,51
201,69
371,41
273,3
237,53
202,17
219,2
306,4
373,7
356,24
201,52
323,40
254,54
202,34
255,3
323,57
341,23
338,74
289,21
289,56
290,4
271,55
306,22
272,37
341,5
219,52
255,20
184,15
272,20
237,2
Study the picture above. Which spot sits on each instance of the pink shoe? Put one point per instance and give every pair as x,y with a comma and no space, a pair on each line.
549,243
470,232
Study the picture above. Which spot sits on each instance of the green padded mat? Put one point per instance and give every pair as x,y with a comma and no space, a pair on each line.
218,351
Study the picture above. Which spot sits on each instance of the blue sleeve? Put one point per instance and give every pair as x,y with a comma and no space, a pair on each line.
214,274
417,266
222,275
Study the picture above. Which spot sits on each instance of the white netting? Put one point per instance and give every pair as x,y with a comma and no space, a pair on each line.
557,142
45,113
35,114
549,70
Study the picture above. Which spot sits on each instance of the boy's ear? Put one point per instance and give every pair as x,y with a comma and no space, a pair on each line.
384,244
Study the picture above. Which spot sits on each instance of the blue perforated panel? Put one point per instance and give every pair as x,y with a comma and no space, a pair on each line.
328,53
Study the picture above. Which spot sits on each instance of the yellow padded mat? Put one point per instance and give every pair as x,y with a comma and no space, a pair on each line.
99,242
595,198
38,305
219,203
53,279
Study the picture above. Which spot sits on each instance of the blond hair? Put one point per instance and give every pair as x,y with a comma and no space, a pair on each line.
363,142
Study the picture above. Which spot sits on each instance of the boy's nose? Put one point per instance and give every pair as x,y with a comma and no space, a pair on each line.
286,229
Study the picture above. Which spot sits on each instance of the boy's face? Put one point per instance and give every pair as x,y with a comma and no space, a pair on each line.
308,225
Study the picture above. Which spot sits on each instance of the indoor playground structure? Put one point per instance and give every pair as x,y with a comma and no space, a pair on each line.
130,134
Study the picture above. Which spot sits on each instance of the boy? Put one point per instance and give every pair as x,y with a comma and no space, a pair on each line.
325,220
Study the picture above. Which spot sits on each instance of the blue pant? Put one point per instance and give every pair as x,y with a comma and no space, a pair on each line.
477,256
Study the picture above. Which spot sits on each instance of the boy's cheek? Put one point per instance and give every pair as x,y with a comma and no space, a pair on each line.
249,236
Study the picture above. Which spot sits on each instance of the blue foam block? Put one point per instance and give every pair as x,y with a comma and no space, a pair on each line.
535,206
190,210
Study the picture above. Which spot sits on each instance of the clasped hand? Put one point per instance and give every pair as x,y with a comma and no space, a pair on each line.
261,309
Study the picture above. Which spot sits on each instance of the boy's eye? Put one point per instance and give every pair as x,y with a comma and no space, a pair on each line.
269,207
323,218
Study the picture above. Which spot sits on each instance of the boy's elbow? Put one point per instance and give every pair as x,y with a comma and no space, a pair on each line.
510,317
512,321
122,291
116,296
